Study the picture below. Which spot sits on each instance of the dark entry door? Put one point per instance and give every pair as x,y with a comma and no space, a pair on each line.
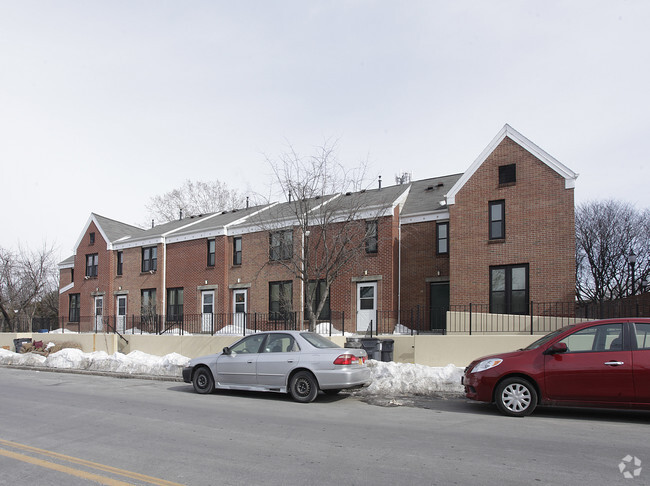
439,299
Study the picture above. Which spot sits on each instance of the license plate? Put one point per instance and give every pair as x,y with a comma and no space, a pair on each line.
360,361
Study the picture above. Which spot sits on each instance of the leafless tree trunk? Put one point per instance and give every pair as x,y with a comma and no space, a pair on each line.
27,277
606,233
324,213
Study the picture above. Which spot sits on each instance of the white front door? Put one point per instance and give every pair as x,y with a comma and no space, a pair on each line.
240,307
120,323
207,311
366,306
99,313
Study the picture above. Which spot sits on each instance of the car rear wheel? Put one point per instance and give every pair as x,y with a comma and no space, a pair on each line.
303,387
202,381
516,397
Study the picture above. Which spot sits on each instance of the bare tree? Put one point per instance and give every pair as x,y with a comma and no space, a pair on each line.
328,213
27,278
193,198
606,233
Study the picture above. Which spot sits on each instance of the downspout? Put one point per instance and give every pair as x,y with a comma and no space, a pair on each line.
164,279
399,271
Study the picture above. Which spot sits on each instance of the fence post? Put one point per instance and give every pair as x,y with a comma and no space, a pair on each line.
531,317
470,318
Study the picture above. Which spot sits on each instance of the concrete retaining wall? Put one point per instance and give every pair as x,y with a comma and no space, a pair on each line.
437,350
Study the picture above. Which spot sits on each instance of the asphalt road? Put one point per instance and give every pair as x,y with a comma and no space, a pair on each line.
73,429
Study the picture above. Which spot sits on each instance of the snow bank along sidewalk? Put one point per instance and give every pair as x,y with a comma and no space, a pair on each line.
389,378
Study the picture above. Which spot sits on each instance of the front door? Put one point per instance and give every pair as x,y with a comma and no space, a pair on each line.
367,307
439,298
207,311
99,313
240,307
120,323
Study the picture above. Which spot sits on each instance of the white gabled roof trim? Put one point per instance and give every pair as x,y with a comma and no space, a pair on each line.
424,217
66,265
143,243
63,290
92,219
507,131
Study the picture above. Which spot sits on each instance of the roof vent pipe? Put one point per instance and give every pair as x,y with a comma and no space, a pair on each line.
180,213
246,202
289,196
380,183
152,223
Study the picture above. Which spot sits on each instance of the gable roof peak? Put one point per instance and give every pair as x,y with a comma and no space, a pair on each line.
507,131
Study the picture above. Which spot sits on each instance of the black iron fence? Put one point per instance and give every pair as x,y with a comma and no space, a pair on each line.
29,324
210,324
458,319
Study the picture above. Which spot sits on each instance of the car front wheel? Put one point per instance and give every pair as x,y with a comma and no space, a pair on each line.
303,387
202,381
516,397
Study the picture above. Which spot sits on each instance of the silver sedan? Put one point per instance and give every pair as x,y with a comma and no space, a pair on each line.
295,362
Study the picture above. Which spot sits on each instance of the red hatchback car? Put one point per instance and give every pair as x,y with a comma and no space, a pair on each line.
595,364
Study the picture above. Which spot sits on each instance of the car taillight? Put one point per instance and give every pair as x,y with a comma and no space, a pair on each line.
348,359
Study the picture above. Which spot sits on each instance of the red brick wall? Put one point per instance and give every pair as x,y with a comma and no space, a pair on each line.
134,280
88,288
539,222
420,263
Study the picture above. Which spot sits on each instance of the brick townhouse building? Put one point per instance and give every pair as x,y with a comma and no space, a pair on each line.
501,234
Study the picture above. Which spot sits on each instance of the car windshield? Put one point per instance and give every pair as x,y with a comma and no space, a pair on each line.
318,341
547,338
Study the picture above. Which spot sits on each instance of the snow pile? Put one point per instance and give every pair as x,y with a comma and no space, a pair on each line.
28,359
324,329
390,378
136,362
401,329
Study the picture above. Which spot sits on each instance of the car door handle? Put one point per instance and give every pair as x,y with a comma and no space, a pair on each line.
289,361
250,361
614,363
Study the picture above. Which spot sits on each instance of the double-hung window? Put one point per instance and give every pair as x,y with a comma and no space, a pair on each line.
497,211
509,289
73,312
148,303
236,251
92,261
211,252
280,300
150,259
120,262
442,238
281,245
175,305
316,288
371,237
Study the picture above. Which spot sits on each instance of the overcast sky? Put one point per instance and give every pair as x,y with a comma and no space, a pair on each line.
104,104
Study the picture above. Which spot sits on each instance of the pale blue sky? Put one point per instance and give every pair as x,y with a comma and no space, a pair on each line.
104,104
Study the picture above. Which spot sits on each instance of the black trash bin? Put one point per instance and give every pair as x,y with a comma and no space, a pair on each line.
18,343
352,343
372,347
387,349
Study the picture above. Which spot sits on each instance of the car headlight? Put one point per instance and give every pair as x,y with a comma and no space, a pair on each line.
486,364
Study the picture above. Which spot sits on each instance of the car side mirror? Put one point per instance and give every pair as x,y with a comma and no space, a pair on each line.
226,351
557,348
